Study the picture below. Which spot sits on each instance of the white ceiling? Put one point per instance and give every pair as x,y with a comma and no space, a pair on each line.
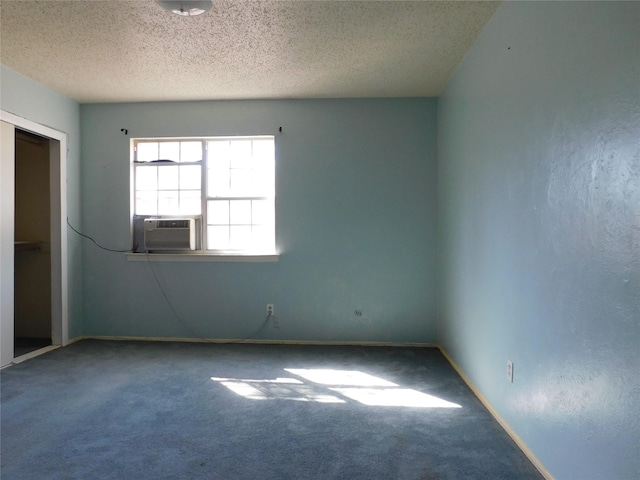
133,50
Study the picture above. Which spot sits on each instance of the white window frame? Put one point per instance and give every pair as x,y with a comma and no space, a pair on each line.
267,253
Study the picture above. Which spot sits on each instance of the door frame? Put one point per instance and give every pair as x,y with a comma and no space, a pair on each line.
59,249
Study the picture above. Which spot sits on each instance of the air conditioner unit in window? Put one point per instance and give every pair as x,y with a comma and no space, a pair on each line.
169,234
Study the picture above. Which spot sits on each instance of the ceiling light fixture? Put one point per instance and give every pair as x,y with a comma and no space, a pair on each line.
185,8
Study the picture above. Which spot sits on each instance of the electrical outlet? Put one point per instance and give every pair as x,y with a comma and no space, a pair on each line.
269,308
510,371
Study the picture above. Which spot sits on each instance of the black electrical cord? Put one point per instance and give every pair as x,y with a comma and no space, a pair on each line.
164,293
264,324
166,297
189,327
96,243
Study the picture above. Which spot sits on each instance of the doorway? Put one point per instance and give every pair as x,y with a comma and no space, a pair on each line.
49,248
32,260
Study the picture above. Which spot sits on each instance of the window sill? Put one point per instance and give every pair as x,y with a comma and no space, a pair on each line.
201,256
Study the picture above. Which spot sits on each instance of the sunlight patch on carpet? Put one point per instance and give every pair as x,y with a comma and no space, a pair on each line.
333,386
280,388
329,376
394,397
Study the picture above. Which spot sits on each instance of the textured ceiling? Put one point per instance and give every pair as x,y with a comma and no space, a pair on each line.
133,50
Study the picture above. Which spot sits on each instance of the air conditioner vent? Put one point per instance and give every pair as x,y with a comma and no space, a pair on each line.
169,234
175,223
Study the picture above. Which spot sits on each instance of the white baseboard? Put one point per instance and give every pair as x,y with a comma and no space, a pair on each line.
514,436
33,354
257,341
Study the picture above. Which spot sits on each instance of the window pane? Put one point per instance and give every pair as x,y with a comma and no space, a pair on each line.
264,180
218,238
147,151
219,151
243,168
170,151
262,212
191,151
190,202
218,212
168,202
241,183
239,237
146,203
146,178
190,177
240,153
263,150
218,182
263,238
240,212
168,177
261,184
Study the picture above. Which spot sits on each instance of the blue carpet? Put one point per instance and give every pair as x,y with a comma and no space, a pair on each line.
137,410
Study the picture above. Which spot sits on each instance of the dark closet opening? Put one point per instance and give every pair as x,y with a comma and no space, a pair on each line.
32,271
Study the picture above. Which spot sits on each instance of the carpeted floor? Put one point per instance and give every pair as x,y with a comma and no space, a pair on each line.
134,410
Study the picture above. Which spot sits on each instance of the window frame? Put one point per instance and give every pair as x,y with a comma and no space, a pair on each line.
268,251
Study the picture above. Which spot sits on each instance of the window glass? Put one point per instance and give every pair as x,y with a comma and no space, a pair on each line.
168,202
263,237
147,152
240,212
239,237
219,152
190,177
218,182
190,202
170,151
240,182
263,151
168,178
218,238
146,203
262,212
228,182
218,212
146,177
190,151
240,153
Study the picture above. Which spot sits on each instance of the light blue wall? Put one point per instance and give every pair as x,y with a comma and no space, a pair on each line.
539,208
356,219
25,98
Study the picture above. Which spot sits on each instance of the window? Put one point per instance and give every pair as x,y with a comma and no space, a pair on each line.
227,181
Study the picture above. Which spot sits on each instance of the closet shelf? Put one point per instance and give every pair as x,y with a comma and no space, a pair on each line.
28,246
